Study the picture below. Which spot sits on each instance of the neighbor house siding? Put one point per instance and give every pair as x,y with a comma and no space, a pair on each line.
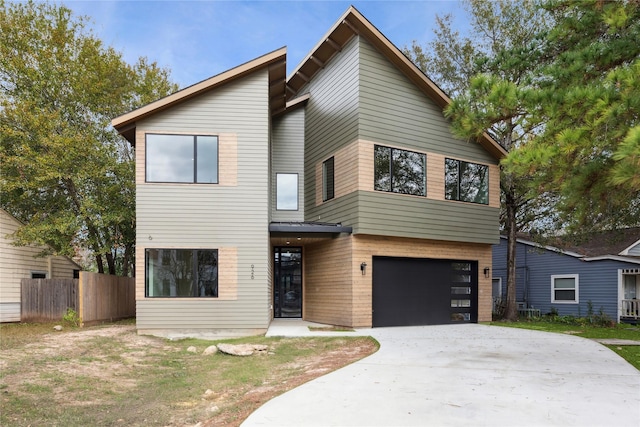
598,280
18,262
231,216
287,156
331,119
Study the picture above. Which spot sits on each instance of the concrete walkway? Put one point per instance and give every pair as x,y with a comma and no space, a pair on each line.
455,375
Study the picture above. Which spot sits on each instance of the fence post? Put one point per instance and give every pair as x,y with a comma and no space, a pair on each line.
81,298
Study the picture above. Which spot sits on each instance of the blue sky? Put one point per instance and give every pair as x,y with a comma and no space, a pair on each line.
199,39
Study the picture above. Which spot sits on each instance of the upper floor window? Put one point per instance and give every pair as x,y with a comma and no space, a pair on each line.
181,272
182,158
399,171
287,191
466,182
328,181
564,289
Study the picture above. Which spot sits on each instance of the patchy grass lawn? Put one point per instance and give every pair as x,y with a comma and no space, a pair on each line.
631,353
109,375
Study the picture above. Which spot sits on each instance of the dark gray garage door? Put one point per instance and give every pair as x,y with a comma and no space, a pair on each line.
423,291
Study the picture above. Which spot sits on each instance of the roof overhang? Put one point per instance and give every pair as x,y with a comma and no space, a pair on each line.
275,62
353,23
307,229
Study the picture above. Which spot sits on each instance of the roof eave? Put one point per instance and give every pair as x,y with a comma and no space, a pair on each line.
276,61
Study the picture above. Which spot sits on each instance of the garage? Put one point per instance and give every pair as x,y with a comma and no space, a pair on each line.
424,291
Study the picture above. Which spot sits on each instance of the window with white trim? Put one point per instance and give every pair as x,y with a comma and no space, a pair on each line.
564,289
287,191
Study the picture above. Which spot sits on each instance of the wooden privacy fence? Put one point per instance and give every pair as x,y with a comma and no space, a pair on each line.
95,297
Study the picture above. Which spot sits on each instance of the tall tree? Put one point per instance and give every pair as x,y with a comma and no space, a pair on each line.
66,174
588,154
487,89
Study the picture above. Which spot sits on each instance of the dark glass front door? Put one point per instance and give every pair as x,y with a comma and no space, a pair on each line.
287,292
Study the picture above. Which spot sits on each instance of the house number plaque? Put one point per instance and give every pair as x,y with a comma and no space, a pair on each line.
252,271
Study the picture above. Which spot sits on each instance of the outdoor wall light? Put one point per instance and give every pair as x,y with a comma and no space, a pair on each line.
363,268
487,271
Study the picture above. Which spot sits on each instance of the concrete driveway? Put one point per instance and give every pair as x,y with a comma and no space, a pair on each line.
474,375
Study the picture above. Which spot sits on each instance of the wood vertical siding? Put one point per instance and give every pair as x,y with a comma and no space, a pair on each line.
598,280
336,292
287,156
231,216
18,262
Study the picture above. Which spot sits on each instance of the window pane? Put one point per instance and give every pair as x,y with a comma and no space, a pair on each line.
461,290
327,180
287,191
565,283
451,179
473,183
565,295
408,172
208,273
207,159
382,168
169,158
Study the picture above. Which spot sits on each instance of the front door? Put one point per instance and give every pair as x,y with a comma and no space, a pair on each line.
287,292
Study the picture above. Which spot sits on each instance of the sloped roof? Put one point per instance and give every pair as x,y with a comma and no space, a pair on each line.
353,23
274,61
613,244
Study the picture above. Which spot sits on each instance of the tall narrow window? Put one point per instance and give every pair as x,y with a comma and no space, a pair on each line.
328,180
466,182
399,171
287,191
182,158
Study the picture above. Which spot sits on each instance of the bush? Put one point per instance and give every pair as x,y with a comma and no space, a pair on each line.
71,317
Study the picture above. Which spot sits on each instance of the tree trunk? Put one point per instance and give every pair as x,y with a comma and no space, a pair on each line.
111,263
511,309
126,261
99,263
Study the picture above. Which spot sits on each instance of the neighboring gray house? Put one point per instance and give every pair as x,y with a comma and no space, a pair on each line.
336,195
20,262
603,271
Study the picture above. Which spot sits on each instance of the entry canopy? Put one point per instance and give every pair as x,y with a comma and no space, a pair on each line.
307,229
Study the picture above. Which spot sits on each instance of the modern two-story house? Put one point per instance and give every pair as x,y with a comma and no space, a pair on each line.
337,195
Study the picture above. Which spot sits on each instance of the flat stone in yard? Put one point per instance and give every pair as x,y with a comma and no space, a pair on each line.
212,349
242,349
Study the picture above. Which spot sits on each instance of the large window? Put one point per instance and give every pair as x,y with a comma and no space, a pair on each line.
399,171
564,289
328,180
181,272
182,158
466,182
287,191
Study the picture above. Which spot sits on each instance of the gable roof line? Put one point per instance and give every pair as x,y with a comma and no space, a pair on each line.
574,254
626,251
125,122
352,23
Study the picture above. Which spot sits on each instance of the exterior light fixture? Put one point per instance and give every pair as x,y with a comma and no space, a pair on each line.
363,268
487,271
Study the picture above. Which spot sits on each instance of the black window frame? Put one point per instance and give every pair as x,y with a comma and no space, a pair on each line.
195,159
194,271
328,179
391,172
457,197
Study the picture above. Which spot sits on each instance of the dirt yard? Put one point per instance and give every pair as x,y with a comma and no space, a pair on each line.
112,376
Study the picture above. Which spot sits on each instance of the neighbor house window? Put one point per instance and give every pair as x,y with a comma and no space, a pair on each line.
564,289
287,191
466,182
182,158
328,180
38,275
181,272
399,171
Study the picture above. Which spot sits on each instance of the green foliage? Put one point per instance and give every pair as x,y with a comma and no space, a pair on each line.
71,317
66,174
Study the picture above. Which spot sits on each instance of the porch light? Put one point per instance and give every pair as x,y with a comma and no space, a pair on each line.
487,271
363,268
